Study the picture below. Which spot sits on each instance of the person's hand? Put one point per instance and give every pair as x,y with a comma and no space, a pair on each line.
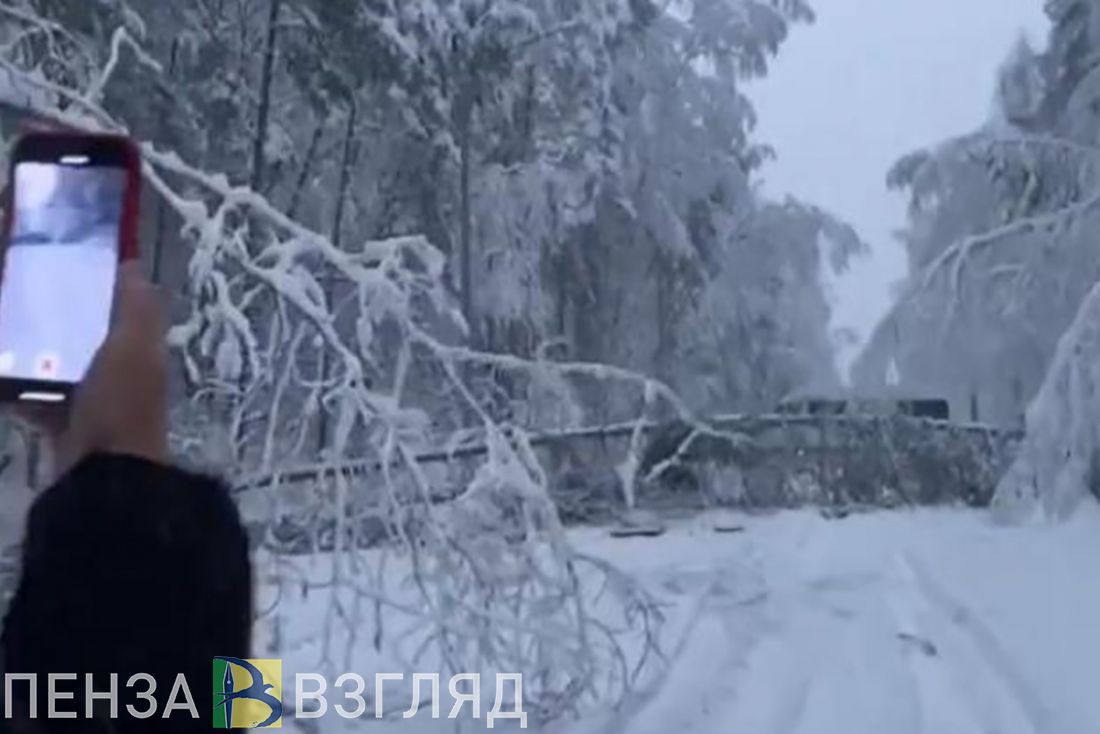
121,405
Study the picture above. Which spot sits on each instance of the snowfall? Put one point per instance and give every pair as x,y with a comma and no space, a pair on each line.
894,622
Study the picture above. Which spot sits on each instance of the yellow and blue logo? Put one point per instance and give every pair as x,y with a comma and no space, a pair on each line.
248,694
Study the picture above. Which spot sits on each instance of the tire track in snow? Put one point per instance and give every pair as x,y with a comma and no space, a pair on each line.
887,669
772,684
729,630
859,682
773,681
953,687
821,666
995,688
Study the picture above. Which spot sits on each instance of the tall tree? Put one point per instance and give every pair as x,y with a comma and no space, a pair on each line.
1001,307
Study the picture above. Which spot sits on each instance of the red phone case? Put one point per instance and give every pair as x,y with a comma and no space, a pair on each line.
129,226
129,230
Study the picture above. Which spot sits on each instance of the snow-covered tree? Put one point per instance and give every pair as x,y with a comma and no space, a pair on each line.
1020,87
1003,254
763,328
673,214
1059,461
987,290
398,229
485,579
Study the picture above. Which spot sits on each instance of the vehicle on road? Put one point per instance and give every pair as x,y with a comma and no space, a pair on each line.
931,408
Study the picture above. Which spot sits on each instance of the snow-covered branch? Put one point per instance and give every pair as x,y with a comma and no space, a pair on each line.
494,580
1058,462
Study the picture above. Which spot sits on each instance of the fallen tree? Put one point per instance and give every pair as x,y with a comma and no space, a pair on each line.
281,326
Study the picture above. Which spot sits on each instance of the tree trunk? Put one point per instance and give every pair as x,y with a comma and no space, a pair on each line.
563,294
162,205
465,249
259,140
661,281
347,158
464,113
259,143
561,269
307,168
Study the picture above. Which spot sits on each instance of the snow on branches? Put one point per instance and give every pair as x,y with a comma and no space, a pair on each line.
1058,462
1003,253
350,362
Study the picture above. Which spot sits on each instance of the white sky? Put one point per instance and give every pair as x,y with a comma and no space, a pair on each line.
870,81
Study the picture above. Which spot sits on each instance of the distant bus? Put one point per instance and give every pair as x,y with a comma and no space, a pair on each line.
931,408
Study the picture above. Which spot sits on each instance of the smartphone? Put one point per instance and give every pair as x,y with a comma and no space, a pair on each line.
71,216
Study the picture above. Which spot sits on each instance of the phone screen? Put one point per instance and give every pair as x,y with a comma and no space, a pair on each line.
59,269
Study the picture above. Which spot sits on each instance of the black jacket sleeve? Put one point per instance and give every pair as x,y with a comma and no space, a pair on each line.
131,567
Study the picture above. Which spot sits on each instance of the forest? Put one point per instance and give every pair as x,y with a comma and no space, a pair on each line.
397,229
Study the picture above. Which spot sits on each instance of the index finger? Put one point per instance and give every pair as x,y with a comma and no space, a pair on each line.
138,312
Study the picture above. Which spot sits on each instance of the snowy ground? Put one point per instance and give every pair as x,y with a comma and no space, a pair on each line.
917,622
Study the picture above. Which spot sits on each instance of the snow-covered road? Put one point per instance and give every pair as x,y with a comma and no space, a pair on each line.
930,622
906,622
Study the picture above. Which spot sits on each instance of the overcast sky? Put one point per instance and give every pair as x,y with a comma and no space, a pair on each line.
870,81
